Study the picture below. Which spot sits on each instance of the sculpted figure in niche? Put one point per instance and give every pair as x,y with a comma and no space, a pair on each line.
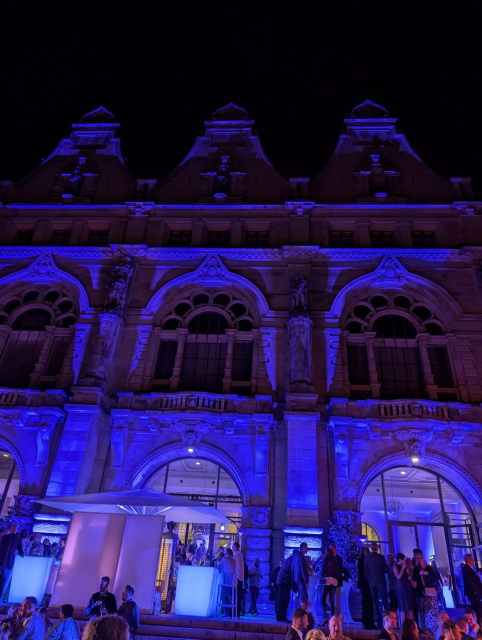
117,289
299,293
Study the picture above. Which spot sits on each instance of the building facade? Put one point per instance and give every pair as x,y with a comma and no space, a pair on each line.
294,351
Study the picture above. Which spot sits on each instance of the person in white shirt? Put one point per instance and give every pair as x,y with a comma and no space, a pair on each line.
227,566
33,626
472,622
239,559
66,628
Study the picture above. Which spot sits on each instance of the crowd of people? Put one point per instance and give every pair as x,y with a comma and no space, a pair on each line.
27,621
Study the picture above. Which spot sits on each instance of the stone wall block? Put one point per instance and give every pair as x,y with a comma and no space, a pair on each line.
258,543
262,554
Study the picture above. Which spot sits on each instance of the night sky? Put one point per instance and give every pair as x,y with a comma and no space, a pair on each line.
163,67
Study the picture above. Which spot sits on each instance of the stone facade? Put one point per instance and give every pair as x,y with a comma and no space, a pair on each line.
301,273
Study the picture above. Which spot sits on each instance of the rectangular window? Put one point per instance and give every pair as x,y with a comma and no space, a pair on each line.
242,359
358,364
180,238
19,358
203,366
218,238
382,239
98,238
256,239
340,239
58,351
423,239
400,372
439,362
165,359
24,237
61,238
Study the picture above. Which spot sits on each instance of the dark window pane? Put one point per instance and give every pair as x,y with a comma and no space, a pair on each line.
180,238
340,239
57,354
382,239
440,367
61,238
218,238
399,372
19,358
423,239
242,358
394,327
24,237
165,359
33,320
98,238
208,323
203,367
358,364
256,239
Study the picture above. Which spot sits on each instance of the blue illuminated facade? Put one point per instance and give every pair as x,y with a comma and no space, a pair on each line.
302,334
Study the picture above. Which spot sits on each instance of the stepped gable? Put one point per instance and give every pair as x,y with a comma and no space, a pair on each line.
374,163
227,165
87,167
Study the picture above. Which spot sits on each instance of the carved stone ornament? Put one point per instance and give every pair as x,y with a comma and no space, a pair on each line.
211,269
259,517
191,430
299,293
117,289
347,517
139,208
24,505
43,266
414,440
390,270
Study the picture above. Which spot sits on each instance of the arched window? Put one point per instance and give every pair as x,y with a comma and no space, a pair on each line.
390,337
206,344
35,336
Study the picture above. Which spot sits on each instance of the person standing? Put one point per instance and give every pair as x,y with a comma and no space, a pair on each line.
392,583
36,548
47,548
66,628
129,610
254,578
274,588
330,572
390,622
284,586
33,627
102,601
341,571
10,545
299,571
227,567
375,571
472,585
362,584
239,560
424,576
298,626
403,571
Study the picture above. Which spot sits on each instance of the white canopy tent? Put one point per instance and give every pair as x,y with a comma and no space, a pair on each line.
119,534
141,502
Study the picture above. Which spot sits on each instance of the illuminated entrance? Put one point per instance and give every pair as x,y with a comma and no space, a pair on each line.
195,478
410,507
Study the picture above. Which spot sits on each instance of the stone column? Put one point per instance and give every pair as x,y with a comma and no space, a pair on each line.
176,370
228,369
299,332
256,539
372,364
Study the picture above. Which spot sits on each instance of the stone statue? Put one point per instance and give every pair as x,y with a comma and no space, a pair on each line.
116,290
299,293
76,179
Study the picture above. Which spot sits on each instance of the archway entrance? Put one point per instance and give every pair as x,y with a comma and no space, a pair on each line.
9,481
408,507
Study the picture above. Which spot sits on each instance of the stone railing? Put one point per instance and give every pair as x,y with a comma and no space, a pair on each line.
32,397
408,408
193,401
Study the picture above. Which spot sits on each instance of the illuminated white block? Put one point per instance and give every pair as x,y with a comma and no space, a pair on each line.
29,578
197,591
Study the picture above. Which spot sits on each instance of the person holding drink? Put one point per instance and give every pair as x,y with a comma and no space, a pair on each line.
102,602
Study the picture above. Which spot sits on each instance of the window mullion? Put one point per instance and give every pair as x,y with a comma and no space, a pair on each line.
430,386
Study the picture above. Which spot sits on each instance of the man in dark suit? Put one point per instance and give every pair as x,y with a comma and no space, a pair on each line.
10,545
472,585
390,623
284,590
102,602
362,584
376,571
299,571
298,626
344,575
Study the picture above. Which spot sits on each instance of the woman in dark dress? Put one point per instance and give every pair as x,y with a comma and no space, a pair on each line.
331,572
406,592
424,576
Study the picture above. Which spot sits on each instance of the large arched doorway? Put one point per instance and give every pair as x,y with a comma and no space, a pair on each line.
412,507
9,481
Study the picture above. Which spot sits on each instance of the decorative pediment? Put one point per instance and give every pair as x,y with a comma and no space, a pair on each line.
212,271
390,270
